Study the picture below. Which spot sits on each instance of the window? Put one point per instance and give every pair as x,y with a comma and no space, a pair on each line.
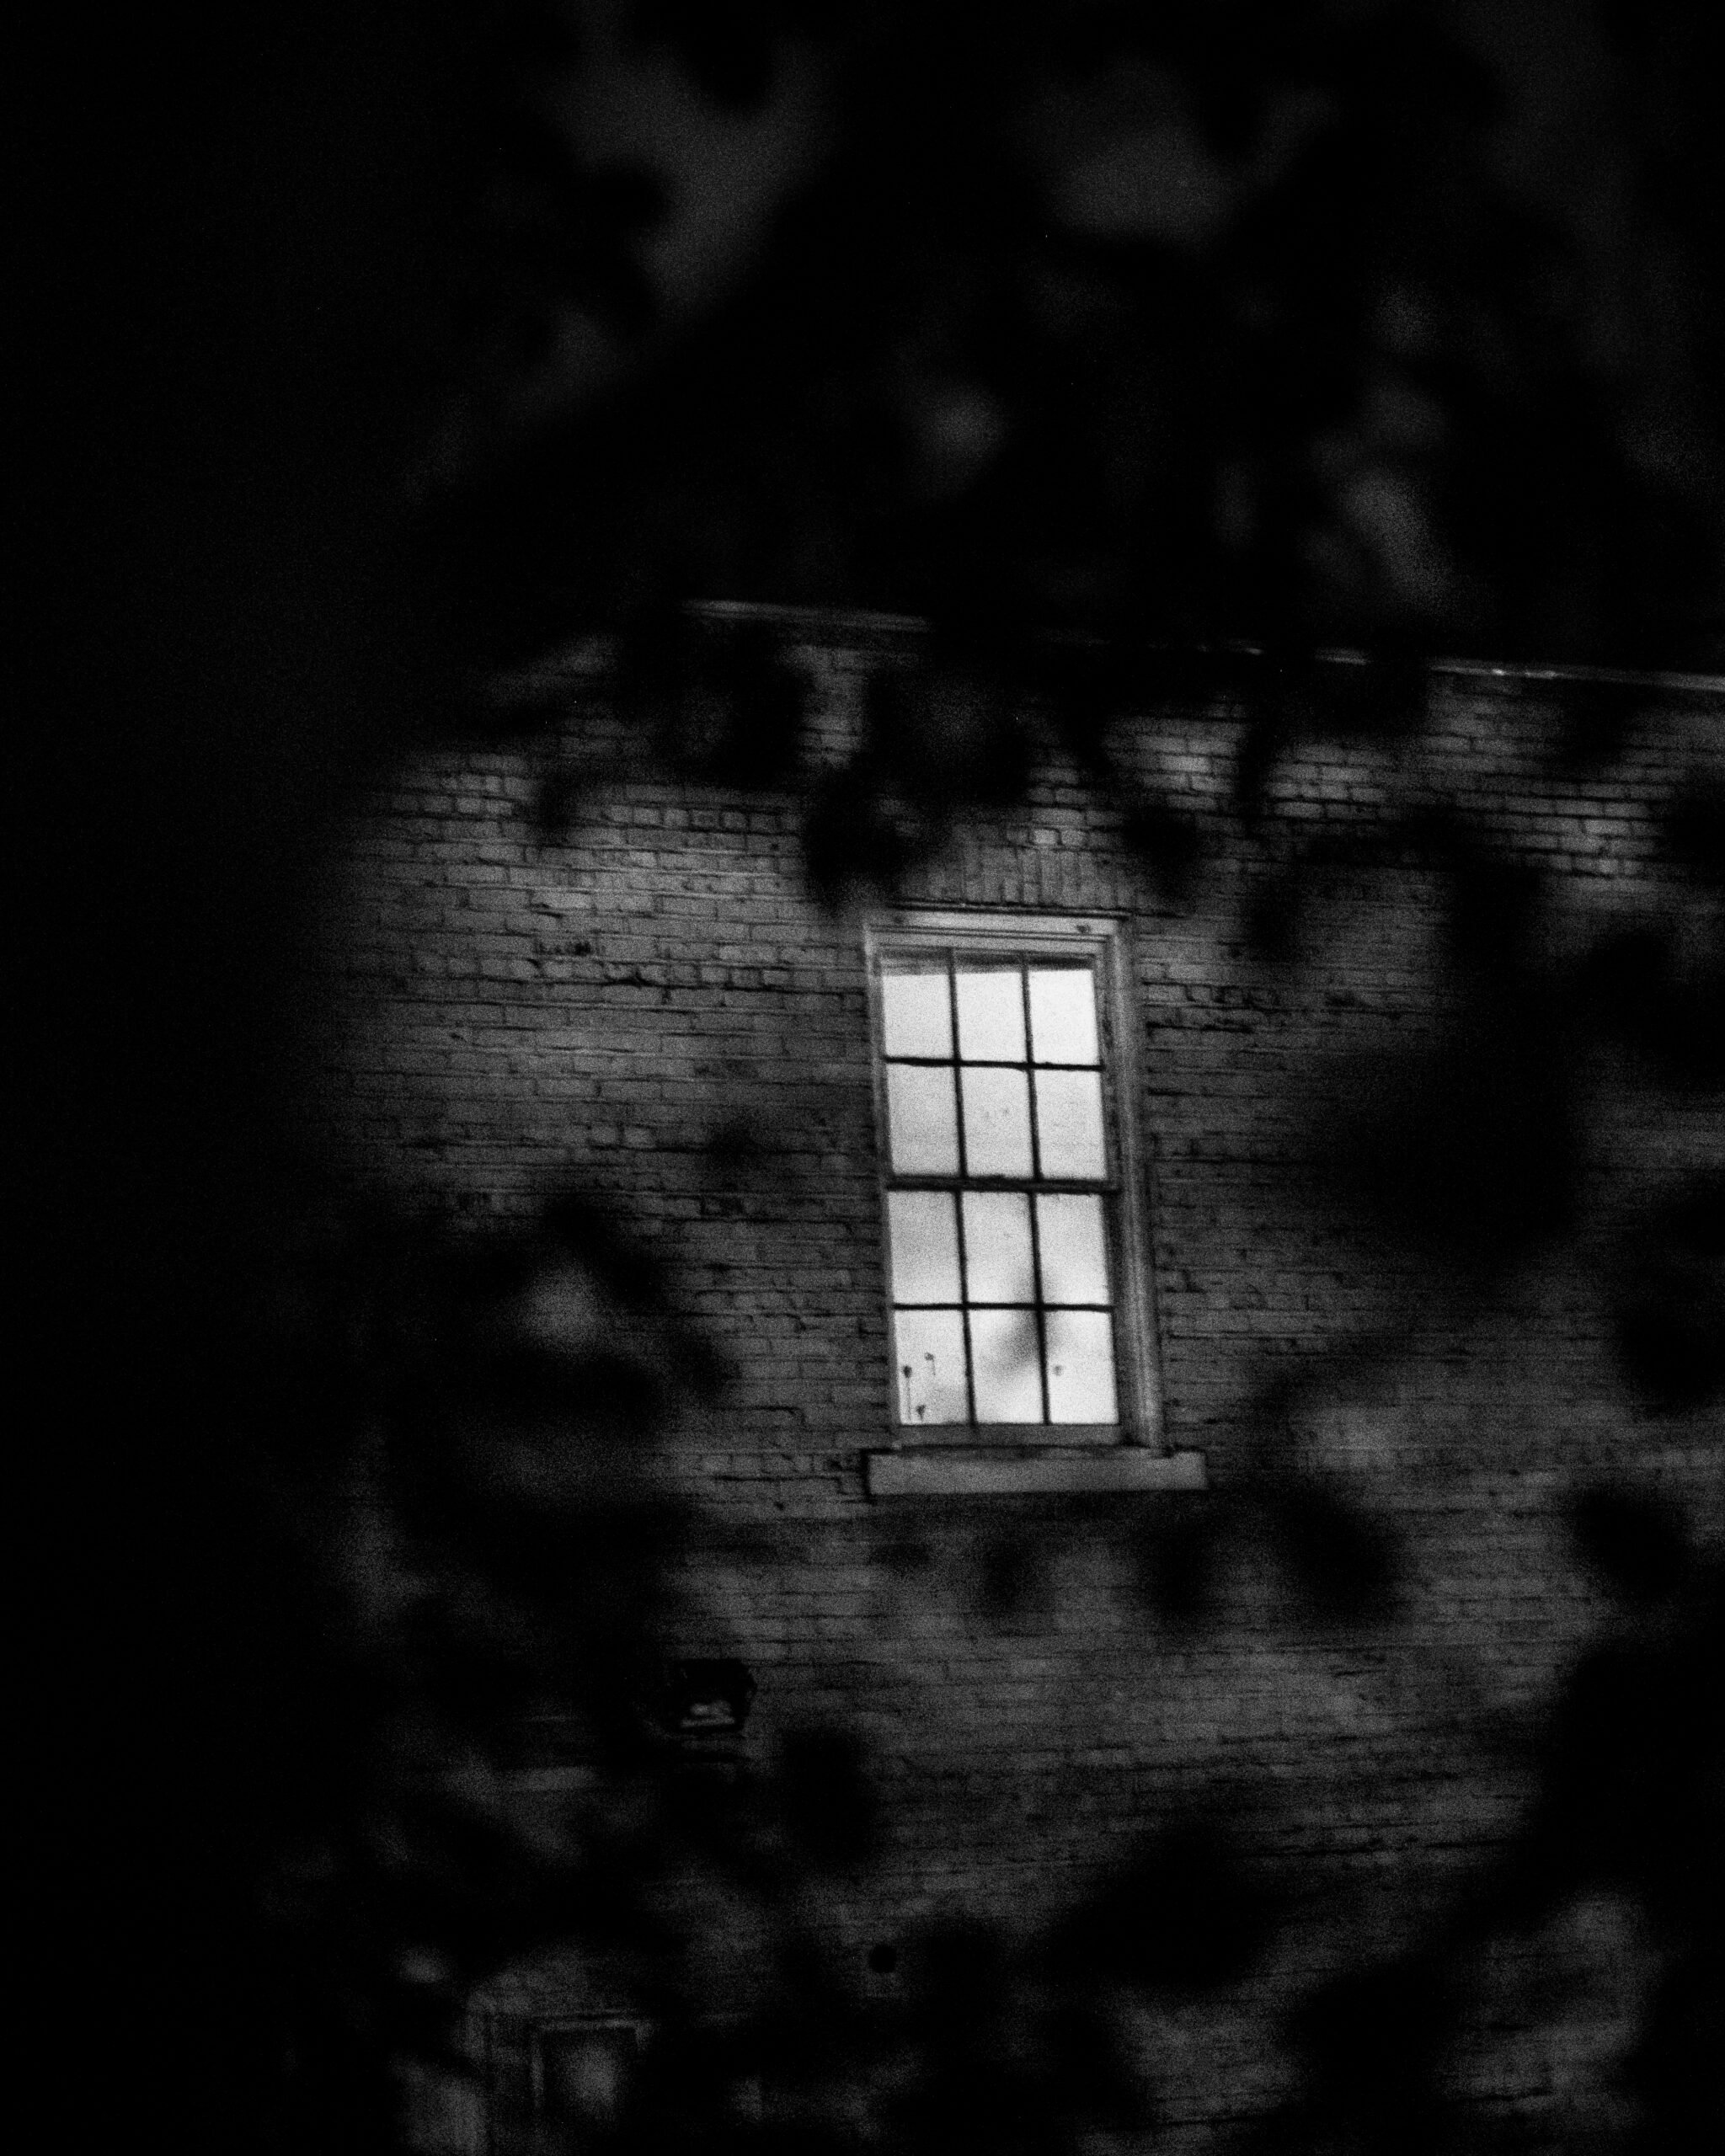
999,1179
1017,1308
1019,1299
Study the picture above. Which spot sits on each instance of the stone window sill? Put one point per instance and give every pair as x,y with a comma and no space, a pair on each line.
1028,1470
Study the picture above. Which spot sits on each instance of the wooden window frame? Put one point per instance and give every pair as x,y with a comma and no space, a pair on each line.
982,1454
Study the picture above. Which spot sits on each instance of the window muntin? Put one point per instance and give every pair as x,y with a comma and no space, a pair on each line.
1001,1184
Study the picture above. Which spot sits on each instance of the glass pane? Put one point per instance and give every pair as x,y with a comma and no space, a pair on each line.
923,1236
990,1014
1068,1234
1004,1349
916,1008
1069,1125
1063,1014
921,1119
928,1365
997,1246
996,1123
1081,1367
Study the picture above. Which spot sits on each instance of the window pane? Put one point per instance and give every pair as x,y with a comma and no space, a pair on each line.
928,1357
990,1014
997,1246
1003,1345
924,1239
921,1119
1068,1234
915,1009
996,1123
1069,1125
1063,1014
1081,1367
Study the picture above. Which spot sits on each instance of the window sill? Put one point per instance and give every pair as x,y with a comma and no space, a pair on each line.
1007,1436
1024,1470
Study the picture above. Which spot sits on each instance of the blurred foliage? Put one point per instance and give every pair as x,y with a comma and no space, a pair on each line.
1376,324
1131,348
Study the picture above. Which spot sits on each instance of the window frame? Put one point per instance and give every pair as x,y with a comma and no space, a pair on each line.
1000,935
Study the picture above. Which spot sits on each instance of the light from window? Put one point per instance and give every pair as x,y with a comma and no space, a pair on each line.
999,1189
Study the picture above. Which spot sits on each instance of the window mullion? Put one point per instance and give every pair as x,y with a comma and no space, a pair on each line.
1030,1074
952,958
964,1310
1041,1311
1030,1195
958,1063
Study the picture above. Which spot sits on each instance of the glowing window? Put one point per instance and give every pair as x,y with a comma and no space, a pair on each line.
1012,1270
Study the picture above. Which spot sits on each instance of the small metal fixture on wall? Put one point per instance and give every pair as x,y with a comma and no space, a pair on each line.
584,2070
706,1697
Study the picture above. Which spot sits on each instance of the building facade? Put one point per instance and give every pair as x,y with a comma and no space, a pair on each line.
1172,1276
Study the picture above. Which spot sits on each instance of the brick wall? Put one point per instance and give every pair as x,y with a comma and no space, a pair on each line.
647,1006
